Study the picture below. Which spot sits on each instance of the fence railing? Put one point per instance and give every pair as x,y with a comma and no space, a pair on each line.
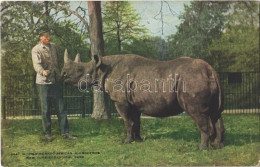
241,91
20,96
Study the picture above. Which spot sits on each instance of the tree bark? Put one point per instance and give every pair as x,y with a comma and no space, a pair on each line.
47,13
100,107
118,40
46,3
118,29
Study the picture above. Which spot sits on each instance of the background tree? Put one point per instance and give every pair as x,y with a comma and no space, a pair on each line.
100,107
19,35
94,29
150,47
238,47
226,34
201,23
20,21
121,25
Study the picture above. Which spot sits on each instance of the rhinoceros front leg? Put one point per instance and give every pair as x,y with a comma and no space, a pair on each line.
124,112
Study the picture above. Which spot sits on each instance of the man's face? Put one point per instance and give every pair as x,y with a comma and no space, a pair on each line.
45,39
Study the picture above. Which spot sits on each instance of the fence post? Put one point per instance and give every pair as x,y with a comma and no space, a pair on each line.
83,106
3,105
35,94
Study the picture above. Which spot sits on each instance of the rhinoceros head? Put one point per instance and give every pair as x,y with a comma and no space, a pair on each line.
77,73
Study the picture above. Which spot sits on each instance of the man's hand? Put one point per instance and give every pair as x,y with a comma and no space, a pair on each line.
45,72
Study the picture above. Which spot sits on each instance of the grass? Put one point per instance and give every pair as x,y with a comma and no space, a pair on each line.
167,142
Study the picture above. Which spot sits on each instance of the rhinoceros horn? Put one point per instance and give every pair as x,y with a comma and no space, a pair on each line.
66,56
77,58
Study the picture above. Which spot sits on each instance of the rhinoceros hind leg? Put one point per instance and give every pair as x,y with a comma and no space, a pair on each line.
212,131
138,139
219,130
128,139
218,142
202,122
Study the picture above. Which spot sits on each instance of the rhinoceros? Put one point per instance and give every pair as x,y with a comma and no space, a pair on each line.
139,85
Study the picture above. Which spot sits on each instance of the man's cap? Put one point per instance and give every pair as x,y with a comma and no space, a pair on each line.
43,31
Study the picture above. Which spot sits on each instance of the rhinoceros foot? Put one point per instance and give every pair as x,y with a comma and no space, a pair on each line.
128,140
203,147
218,145
138,139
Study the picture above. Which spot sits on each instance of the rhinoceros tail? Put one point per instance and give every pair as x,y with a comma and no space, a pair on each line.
220,92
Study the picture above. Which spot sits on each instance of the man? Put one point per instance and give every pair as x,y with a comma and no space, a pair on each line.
45,63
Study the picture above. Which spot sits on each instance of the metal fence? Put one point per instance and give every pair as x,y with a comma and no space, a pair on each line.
241,91
20,96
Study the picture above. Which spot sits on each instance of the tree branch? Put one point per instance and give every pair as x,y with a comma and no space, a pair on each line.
161,14
172,11
6,7
104,32
76,14
43,14
247,4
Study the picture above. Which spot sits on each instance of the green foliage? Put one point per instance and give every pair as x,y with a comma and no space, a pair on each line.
167,142
20,21
201,23
17,37
150,47
67,36
225,34
19,34
121,26
238,47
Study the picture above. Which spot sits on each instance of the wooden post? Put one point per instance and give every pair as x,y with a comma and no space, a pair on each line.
83,106
3,109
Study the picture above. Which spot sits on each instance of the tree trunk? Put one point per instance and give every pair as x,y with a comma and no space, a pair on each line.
100,107
118,29
47,14
118,39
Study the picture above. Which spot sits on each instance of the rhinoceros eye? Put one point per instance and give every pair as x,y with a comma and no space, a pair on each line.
64,74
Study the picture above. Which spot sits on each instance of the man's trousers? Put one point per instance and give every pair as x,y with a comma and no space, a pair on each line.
51,94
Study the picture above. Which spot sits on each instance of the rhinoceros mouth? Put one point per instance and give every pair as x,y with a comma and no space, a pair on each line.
68,80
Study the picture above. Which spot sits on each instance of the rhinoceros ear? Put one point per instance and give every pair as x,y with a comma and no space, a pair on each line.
66,56
77,58
97,60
